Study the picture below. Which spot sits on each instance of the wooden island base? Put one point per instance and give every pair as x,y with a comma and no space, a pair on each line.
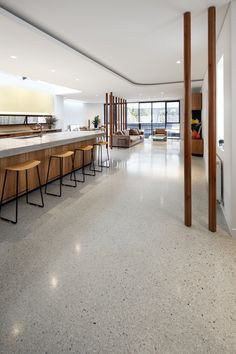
43,156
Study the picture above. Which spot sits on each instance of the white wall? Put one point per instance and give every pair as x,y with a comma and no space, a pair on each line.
182,119
205,121
58,110
225,47
75,112
233,110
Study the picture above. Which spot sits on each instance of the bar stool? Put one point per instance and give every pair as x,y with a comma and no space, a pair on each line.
61,158
105,163
83,150
25,166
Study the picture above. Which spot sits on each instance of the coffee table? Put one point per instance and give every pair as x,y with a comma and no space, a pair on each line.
158,137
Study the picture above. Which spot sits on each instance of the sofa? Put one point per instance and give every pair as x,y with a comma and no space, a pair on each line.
127,138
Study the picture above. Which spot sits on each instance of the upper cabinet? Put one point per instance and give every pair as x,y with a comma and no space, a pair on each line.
196,101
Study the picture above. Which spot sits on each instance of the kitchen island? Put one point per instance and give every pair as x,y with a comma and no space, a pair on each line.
24,148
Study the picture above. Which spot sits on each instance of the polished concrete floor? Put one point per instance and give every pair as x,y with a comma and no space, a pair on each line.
110,267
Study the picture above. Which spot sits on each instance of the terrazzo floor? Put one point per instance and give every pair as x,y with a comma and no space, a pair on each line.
110,267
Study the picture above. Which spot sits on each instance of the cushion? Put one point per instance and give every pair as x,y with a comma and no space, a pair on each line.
160,131
125,132
119,132
134,131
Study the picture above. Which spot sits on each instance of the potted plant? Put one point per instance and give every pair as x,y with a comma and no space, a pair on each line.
96,121
51,121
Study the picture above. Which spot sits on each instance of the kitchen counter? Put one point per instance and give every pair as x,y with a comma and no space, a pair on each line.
22,145
25,148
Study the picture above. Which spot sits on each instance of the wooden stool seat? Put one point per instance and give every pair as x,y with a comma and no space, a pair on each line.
86,148
103,142
61,157
23,166
65,154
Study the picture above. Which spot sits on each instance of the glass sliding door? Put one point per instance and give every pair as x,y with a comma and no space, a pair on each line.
173,119
146,118
133,115
158,115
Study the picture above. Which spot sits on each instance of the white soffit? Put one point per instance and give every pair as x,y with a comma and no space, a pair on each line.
141,40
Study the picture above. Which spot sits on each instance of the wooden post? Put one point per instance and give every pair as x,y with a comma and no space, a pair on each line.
126,113
116,113
187,122
111,119
122,115
119,113
106,112
212,118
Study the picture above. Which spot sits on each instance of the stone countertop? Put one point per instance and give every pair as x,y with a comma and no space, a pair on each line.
18,145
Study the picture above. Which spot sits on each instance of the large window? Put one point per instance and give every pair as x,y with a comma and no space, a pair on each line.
172,112
172,119
145,110
133,115
152,115
159,115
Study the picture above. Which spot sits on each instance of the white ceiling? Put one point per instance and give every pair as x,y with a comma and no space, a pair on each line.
142,40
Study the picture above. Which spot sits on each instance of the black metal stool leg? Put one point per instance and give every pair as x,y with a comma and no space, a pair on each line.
17,190
99,157
26,186
61,174
83,179
3,189
108,160
90,165
40,189
101,164
49,164
72,168
16,207
46,186
105,163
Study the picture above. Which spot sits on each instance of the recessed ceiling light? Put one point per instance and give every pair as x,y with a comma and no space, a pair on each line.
178,62
77,79
96,95
53,70
13,57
